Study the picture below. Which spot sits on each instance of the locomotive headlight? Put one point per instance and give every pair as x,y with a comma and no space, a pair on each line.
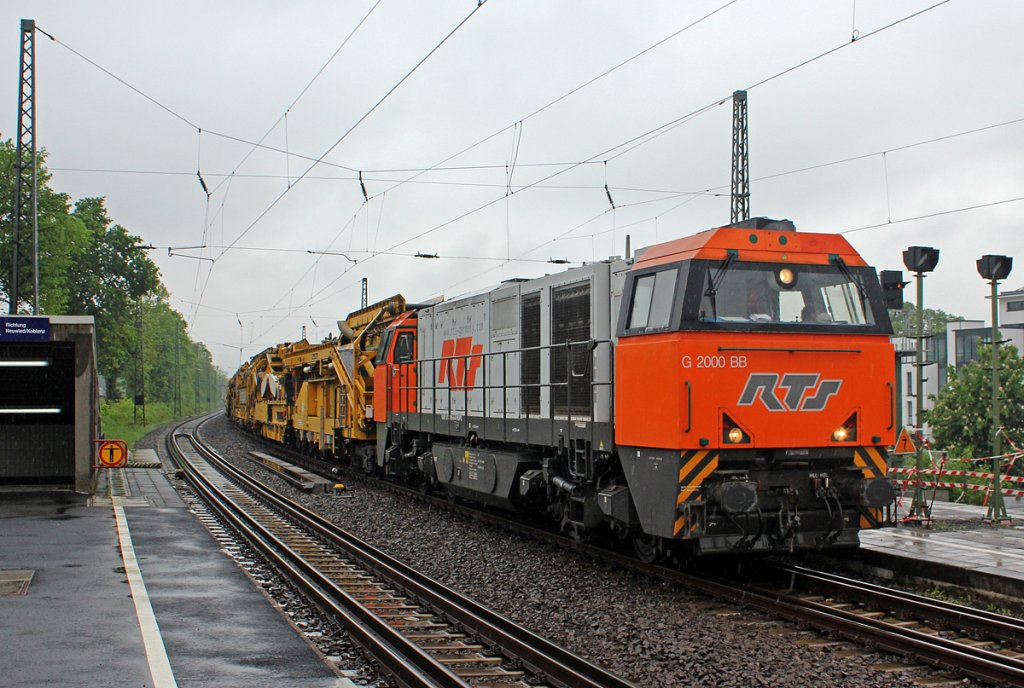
847,432
785,277
732,433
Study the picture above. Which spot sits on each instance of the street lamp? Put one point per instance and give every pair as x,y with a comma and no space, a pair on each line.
995,268
919,260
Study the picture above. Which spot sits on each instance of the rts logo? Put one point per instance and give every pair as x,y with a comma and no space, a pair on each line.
803,393
466,359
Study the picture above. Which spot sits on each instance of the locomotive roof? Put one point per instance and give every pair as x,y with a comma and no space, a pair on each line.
753,245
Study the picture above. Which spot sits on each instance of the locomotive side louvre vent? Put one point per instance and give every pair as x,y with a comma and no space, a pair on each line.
570,321
529,363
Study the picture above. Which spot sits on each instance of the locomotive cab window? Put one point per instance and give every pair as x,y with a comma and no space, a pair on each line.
382,351
403,347
651,307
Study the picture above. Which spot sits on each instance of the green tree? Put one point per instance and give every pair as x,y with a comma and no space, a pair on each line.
904,321
62,238
90,266
108,281
961,418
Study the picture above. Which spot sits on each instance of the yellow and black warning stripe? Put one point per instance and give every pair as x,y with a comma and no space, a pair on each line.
690,523
870,518
873,462
696,466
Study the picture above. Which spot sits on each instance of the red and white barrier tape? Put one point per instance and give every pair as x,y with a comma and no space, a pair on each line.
904,484
966,474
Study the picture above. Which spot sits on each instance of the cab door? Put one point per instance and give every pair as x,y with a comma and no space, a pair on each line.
402,364
394,375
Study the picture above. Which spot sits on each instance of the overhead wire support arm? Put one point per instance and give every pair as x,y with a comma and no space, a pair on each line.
607,191
199,162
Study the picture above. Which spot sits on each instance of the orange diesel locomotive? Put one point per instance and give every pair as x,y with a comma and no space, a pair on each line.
728,391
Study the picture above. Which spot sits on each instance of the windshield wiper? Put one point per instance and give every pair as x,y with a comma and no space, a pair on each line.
716,281
845,269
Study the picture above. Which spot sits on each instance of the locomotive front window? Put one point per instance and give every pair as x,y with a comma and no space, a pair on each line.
793,296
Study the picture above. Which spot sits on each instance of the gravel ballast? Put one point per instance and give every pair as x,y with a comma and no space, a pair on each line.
650,631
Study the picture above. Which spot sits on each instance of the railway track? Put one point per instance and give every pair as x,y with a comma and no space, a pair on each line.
964,640
420,632
970,642
977,643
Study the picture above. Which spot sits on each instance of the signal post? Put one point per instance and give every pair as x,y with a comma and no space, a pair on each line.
995,268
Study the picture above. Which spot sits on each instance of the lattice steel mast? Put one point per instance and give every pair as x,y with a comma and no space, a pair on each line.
25,209
740,206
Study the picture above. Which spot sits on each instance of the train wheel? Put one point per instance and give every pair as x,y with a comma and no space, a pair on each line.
647,548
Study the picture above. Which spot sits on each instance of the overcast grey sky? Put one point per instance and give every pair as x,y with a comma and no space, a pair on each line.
234,68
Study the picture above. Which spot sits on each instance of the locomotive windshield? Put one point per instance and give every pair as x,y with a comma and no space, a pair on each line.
784,294
735,295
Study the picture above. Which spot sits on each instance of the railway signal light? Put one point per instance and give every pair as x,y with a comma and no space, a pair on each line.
919,260
995,268
892,288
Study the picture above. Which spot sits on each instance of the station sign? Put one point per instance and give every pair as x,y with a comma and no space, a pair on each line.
112,453
24,328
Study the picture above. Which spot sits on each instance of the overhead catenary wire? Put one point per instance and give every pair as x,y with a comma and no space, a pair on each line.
378,225
651,134
641,139
345,135
280,249
309,84
764,177
562,97
255,146
285,118
940,213
359,121
166,108
483,185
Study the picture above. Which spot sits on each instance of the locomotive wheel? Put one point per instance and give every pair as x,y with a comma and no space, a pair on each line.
647,548
572,530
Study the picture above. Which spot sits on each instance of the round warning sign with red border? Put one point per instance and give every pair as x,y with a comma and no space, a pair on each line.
112,453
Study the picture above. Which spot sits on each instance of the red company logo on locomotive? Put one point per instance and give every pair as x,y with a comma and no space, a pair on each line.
803,393
466,358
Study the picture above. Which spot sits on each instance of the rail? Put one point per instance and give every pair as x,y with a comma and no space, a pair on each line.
885,631
413,665
907,604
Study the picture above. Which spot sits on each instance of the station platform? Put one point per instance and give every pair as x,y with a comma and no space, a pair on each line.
959,549
128,588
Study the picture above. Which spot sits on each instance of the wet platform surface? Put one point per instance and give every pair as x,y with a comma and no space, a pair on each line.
74,620
959,548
